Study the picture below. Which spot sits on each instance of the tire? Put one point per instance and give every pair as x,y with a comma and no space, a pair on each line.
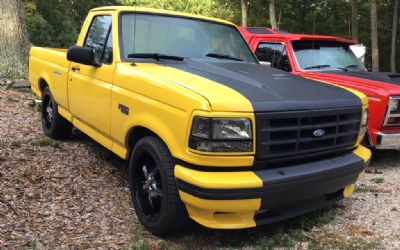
54,125
153,188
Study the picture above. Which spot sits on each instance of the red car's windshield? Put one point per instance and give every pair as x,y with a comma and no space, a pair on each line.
324,56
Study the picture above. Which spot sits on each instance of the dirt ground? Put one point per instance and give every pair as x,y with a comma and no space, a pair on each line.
74,195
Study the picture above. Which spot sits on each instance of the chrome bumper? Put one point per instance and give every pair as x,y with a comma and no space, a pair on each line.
388,141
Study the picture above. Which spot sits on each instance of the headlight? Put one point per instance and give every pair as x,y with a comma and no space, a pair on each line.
393,112
394,105
221,135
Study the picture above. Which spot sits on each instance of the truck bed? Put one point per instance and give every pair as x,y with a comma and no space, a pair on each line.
49,65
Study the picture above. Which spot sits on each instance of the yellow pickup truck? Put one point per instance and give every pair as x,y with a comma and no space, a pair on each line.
210,133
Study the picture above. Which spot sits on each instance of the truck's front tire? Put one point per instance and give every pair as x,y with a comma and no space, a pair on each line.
153,187
54,125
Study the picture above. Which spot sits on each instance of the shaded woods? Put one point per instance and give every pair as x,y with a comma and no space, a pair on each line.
56,23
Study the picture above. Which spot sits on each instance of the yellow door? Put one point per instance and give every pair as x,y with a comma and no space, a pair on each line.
90,87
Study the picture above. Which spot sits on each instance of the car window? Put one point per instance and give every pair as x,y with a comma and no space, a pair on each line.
275,53
184,37
97,37
259,31
312,55
108,50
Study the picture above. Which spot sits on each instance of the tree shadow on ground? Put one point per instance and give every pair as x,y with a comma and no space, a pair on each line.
284,234
387,159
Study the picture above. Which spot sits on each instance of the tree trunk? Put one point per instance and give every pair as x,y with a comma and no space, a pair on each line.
374,37
244,12
354,20
14,40
394,35
272,15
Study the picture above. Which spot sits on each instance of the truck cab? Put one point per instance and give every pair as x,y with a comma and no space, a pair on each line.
330,59
209,133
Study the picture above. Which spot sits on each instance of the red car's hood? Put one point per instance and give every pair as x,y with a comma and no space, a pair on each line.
379,81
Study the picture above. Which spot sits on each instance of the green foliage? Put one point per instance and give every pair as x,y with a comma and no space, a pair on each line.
216,8
56,23
378,180
46,142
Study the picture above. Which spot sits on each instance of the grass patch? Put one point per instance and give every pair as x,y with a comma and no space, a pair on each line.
22,89
289,234
3,158
46,142
281,240
378,180
34,105
11,100
15,144
362,188
137,241
142,245
373,171
295,231
337,242
27,173
30,151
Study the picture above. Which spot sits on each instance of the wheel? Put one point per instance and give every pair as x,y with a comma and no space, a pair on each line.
153,187
54,125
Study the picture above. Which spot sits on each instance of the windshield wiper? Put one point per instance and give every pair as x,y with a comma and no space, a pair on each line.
155,56
220,56
319,66
352,66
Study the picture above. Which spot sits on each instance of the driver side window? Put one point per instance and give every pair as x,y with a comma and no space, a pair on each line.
99,39
275,53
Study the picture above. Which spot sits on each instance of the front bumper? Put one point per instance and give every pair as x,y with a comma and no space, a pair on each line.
249,198
388,141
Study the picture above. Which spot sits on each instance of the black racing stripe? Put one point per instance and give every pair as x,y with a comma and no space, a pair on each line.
267,216
306,181
270,90
285,186
385,77
221,193
342,165
211,168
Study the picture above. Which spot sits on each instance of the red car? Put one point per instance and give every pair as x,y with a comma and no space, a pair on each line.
330,59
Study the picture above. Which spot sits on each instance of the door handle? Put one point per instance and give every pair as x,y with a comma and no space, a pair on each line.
75,68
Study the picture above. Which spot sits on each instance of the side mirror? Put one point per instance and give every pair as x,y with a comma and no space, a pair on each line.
82,55
268,64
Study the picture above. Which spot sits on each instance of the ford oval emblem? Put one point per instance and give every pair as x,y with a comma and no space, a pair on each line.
319,133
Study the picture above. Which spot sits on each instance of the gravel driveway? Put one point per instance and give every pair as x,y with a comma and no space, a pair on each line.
74,195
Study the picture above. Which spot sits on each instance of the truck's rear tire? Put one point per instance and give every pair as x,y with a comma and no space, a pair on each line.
153,187
54,125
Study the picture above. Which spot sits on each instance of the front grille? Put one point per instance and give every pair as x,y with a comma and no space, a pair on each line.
289,134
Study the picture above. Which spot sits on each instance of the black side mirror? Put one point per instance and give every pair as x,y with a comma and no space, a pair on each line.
82,55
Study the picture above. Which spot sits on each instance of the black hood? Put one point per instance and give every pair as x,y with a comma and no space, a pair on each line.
269,89
386,77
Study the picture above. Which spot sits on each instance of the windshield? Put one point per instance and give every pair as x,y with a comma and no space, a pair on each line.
182,37
325,56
